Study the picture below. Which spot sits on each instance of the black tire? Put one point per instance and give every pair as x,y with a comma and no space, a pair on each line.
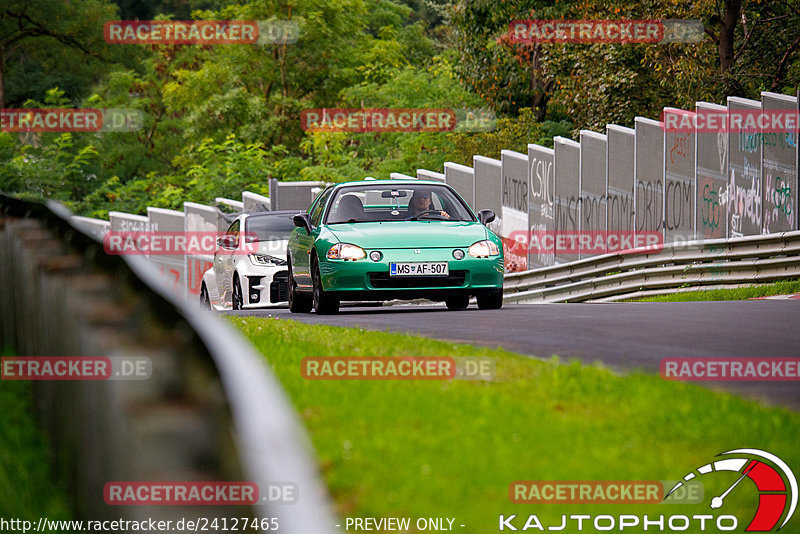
493,301
205,302
237,299
324,303
458,302
297,303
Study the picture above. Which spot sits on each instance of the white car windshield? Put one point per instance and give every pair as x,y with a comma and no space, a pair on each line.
269,227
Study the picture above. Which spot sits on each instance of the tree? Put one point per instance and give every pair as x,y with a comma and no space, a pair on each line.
508,77
751,45
53,33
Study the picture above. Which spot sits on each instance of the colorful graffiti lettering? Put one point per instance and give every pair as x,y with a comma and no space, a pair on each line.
711,209
680,147
782,196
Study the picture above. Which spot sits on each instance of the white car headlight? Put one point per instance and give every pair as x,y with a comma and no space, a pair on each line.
346,251
484,249
265,259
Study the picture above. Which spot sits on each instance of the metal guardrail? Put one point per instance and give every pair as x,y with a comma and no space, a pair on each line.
702,264
211,409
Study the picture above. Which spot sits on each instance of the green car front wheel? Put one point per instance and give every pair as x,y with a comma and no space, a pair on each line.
324,302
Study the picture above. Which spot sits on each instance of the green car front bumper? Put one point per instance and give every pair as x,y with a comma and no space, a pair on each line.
366,279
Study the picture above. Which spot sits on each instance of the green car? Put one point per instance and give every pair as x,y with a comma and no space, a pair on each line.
377,240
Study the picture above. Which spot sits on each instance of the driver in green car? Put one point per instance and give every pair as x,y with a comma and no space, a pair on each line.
421,202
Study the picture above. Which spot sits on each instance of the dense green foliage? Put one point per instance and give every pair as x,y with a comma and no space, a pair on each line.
219,119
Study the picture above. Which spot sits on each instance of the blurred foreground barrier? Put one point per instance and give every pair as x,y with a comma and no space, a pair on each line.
210,410
708,264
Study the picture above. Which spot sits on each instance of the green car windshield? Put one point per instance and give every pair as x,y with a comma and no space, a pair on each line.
402,202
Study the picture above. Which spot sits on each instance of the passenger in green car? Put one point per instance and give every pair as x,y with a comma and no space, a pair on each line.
350,209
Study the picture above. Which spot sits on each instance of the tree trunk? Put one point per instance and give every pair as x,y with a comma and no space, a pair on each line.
733,10
2,79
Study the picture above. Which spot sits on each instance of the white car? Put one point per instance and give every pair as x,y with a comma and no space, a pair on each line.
249,268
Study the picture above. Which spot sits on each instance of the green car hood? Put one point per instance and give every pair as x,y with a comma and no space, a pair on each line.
409,234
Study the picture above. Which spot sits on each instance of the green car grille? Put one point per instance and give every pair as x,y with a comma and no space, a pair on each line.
384,281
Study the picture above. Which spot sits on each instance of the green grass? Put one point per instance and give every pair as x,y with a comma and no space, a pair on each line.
786,287
28,489
451,448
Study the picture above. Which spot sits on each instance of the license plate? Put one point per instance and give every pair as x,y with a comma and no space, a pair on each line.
426,268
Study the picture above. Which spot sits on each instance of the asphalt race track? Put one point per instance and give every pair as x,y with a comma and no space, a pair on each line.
621,335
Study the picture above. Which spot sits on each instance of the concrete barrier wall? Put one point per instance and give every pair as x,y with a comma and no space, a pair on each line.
621,150
515,209
127,222
291,195
253,202
488,189
567,193
744,195
593,184
649,175
97,228
462,179
711,215
779,169
173,267
679,180
541,179
424,174
229,207
200,218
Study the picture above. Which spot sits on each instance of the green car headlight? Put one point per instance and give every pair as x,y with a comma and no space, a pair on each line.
483,249
346,251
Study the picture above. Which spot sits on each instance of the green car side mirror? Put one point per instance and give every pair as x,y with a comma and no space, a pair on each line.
303,220
485,216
